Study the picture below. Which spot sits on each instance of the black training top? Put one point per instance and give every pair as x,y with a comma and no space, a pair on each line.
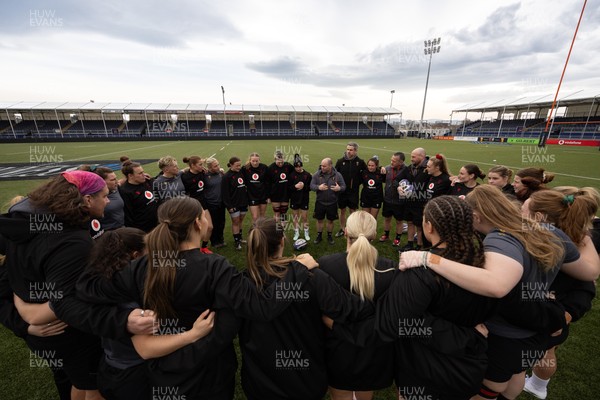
372,187
202,282
351,170
140,205
461,190
234,193
256,182
299,196
278,178
285,358
438,186
194,184
44,258
351,367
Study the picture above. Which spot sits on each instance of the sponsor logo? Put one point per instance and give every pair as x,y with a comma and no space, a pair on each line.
95,225
148,194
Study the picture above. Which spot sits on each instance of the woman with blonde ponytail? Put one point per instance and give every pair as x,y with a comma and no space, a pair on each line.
178,282
361,271
434,325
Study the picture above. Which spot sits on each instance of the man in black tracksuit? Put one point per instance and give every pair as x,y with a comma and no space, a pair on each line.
350,166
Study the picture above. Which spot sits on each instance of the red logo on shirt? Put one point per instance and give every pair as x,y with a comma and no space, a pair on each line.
95,225
148,194
255,176
201,184
431,185
371,182
241,181
282,176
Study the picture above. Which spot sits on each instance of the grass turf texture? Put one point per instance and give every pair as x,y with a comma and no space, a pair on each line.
578,361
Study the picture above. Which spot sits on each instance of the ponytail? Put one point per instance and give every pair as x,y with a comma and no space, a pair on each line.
362,256
177,219
264,242
361,260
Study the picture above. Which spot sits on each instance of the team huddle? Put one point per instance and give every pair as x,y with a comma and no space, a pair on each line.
118,285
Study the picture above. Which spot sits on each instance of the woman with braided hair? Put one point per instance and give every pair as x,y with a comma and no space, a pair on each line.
572,210
519,267
435,325
529,180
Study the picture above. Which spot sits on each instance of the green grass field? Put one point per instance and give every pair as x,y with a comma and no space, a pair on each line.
577,376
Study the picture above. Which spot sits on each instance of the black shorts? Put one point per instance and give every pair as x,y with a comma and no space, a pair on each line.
507,357
349,200
321,211
129,383
395,210
370,203
414,213
257,202
79,359
300,206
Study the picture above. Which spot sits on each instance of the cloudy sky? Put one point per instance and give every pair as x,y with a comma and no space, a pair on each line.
310,52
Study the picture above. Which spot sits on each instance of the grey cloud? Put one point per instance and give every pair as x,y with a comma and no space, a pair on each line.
152,23
283,66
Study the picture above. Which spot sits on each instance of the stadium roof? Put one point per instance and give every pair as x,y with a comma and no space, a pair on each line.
586,102
191,108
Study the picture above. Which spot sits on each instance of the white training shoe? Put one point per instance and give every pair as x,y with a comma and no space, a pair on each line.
296,235
534,390
306,235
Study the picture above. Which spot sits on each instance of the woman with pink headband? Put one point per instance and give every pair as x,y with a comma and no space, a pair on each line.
47,246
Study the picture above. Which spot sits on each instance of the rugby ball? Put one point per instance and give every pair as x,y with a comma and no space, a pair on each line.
300,244
405,189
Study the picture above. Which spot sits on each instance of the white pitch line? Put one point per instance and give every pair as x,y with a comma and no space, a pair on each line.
221,149
476,162
120,152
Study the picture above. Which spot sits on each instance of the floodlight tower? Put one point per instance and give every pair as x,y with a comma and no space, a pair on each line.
431,47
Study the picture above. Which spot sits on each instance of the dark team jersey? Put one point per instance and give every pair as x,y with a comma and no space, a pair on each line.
278,181
419,178
140,205
256,182
351,367
461,190
438,185
372,187
233,190
392,179
351,171
299,196
194,184
508,189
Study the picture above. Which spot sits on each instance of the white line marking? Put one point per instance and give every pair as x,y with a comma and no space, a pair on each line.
475,162
120,152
